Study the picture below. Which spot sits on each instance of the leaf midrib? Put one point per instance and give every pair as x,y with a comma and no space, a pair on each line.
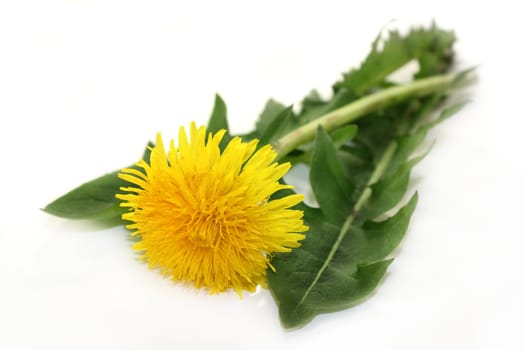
342,233
363,198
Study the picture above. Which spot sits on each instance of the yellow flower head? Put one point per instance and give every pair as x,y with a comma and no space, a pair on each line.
205,217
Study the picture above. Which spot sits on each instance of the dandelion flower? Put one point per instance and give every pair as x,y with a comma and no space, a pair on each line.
205,217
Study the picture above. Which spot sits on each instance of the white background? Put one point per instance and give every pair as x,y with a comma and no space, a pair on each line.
85,84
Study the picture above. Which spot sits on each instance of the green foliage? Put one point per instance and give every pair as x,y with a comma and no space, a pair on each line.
269,114
218,119
277,127
336,267
95,199
92,200
432,48
327,177
343,135
345,253
347,250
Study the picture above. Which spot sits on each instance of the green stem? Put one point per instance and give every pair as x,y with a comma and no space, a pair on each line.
359,108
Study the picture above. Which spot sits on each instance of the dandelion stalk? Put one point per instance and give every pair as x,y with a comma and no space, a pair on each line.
359,108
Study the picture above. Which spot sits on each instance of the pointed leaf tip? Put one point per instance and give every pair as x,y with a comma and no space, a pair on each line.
218,119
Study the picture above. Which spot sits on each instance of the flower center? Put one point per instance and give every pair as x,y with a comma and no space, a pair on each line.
205,230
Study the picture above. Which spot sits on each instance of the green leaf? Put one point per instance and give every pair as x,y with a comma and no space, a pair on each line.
359,284
446,113
387,193
313,106
331,188
281,124
95,199
406,146
431,47
218,119
343,135
271,111
383,237
92,200
336,267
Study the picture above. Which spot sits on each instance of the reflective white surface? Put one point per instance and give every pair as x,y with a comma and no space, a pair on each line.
85,84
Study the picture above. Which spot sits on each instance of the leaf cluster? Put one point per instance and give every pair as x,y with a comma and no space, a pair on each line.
358,173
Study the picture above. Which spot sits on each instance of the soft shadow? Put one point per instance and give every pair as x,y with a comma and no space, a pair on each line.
81,225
